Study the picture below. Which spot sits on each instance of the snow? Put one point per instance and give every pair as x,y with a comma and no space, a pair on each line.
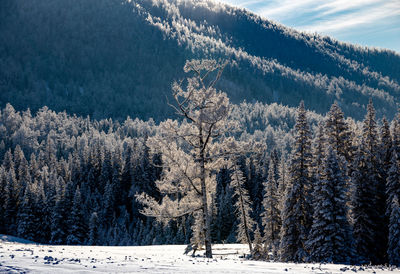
19,256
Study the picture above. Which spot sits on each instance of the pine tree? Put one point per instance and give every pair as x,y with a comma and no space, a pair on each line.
271,217
386,147
385,152
362,201
297,211
58,215
26,227
3,185
394,233
330,237
319,147
392,182
282,181
8,161
10,203
243,208
93,229
396,134
374,204
338,132
259,252
77,226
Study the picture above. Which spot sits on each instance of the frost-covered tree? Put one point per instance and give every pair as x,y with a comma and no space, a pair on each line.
10,203
394,233
330,236
363,207
93,229
319,147
190,150
392,182
338,132
271,217
58,216
26,216
369,192
243,208
386,147
77,224
282,180
297,211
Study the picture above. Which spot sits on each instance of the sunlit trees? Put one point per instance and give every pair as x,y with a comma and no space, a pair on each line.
271,219
190,151
330,235
297,210
243,208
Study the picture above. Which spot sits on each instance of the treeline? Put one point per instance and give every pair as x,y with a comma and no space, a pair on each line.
330,193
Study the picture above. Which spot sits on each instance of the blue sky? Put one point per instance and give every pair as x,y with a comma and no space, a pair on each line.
365,22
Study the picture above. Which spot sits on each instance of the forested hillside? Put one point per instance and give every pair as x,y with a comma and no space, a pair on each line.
69,180
114,58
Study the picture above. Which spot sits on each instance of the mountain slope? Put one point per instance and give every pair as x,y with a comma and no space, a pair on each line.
113,58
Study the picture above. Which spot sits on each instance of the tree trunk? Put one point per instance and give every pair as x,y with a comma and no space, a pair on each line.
206,216
245,222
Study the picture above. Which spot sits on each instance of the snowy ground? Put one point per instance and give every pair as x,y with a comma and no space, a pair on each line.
20,256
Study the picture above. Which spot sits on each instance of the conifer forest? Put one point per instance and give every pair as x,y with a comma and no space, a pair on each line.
293,185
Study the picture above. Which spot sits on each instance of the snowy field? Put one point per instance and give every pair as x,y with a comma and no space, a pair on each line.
19,256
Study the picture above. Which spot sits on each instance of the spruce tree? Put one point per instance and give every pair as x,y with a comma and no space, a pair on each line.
392,182
394,233
3,185
271,219
93,229
243,208
376,184
77,226
338,132
10,203
297,211
282,181
330,237
363,208
58,216
26,227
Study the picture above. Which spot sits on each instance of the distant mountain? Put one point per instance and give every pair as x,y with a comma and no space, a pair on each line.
113,58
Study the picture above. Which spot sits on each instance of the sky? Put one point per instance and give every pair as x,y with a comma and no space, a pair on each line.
373,23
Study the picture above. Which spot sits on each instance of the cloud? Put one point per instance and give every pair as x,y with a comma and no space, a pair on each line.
285,8
347,19
341,16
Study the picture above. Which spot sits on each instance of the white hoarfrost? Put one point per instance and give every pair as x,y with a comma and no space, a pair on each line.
20,256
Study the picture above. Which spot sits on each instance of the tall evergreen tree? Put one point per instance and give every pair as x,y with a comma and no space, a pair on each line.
386,147
377,186
58,215
282,181
338,132
10,203
392,182
297,211
394,233
76,222
243,208
271,217
330,236
363,208
26,216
